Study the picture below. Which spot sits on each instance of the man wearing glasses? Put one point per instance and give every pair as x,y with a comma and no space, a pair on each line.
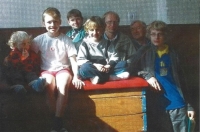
122,43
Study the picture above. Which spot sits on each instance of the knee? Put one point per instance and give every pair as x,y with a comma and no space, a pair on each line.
85,67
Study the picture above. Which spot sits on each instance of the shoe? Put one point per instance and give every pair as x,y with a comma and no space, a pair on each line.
38,85
61,130
121,76
94,80
19,89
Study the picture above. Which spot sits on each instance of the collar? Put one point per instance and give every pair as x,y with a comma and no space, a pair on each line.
164,51
78,30
105,36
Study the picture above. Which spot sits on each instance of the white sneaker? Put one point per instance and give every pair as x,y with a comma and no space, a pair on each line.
121,76
94,80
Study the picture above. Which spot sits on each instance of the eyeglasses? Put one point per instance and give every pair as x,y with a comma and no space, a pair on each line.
112,22
157,35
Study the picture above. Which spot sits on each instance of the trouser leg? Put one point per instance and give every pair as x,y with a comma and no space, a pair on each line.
179,119
30,76
120,67
88,70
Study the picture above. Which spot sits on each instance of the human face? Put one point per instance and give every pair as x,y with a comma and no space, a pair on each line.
138,31
95,34
75,22
112,24
25,45
52,25
157,37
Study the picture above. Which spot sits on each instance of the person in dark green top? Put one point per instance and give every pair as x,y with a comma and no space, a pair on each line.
77,33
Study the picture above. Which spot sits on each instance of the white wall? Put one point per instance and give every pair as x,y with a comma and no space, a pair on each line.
27,13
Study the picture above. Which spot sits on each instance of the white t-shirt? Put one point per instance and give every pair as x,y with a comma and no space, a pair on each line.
55,51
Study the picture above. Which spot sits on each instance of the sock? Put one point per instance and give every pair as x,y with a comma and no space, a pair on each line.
58,123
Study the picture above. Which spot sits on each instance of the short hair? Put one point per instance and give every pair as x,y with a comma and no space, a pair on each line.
74,13
17,38
157,25
55,13
138,21
94,22
111,12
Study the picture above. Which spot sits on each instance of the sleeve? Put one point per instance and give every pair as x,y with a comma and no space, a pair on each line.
113,56
36,61
71,49
147,65
131,49
134,66
35,45
83,54
13,59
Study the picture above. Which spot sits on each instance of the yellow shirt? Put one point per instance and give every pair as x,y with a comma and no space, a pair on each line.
164,51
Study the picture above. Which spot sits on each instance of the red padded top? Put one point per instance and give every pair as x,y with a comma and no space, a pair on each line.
132,82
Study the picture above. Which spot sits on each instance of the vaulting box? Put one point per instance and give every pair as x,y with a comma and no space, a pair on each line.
108,109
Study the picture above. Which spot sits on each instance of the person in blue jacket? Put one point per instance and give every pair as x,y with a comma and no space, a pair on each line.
77,33
162,70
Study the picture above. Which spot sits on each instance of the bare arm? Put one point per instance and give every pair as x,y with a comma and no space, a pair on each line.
76,81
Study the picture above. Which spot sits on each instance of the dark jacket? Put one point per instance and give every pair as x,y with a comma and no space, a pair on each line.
148,66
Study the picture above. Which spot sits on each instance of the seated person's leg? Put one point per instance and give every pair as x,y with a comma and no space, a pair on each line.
89,71
50,91
16,82
63,81
119,72
35,82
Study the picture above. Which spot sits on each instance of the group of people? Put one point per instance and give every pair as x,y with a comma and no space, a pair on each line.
98,51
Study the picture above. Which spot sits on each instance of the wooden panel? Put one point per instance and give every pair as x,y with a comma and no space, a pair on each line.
105,106
107,93
128,123
118,106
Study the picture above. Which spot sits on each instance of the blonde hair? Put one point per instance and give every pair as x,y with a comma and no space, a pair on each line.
17,38
55,13
94,22
157,25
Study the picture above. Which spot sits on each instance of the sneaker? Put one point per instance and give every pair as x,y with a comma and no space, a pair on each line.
38,85
19,89
121,76
94,80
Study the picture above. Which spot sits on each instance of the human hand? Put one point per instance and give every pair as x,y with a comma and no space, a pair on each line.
106,68
154,83
99,66
77,83
25,54
191,114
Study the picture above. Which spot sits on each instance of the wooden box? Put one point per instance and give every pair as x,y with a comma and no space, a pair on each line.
122,110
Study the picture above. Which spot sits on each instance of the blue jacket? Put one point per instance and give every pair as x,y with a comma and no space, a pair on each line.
148,65
77,40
